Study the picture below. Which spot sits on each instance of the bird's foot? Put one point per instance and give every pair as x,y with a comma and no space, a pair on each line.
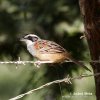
38,63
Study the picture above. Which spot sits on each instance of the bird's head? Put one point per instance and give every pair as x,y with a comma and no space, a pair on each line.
29,38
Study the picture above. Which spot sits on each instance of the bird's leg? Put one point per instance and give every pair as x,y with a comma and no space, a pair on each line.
38,63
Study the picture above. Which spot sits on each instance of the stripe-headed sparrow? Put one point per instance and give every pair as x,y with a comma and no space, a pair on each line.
47,51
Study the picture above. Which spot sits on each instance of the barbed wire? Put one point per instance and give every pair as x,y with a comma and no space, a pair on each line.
19,61
66,80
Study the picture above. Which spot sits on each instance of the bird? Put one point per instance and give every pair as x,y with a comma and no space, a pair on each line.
47,51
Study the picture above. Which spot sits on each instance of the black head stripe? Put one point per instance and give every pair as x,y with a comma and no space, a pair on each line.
30,38
33,39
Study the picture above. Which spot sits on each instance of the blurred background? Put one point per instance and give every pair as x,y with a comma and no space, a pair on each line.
56,20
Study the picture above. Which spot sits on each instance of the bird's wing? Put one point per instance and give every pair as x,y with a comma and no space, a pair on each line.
45,46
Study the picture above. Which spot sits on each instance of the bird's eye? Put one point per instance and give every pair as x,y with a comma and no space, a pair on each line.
33,39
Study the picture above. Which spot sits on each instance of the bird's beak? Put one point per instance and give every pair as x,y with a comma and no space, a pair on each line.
22,39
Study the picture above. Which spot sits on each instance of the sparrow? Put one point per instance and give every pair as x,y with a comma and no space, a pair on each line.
47,51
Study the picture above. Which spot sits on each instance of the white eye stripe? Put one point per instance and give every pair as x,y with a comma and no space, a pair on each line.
31,35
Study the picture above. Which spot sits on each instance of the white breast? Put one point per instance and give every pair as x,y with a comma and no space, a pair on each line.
31,50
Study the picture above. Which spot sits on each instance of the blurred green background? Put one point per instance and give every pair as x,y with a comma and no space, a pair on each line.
57,20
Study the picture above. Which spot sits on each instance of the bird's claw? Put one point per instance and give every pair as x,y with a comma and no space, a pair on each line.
37,64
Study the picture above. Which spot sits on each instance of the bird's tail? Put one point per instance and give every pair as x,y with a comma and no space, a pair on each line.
79,63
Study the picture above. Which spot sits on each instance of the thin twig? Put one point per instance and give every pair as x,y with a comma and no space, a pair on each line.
67,80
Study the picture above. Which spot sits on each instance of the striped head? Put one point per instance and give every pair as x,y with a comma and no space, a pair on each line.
29,39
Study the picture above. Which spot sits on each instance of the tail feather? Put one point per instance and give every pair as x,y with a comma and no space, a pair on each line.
80,64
